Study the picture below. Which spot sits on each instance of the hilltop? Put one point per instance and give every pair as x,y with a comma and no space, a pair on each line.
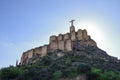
70,56
63,42
78,43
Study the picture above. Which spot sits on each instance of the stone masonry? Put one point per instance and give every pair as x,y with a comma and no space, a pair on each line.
62,42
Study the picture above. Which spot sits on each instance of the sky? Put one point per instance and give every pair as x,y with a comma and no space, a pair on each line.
26,24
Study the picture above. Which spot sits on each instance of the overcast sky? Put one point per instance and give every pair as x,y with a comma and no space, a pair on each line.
25,24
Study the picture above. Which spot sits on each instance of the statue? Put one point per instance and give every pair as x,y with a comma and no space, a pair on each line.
72,22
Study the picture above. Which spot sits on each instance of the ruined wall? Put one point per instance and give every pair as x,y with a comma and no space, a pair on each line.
67,42
61,45
62,42
44,50
68,45
53,43
85,35
37,50
60,37
26,55
66,36
79,35
30,53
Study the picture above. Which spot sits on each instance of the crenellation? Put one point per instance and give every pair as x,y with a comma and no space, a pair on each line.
53,38
79,35
85,35
44,50
37,51
68,45
61,45
53,43
66,36
60,37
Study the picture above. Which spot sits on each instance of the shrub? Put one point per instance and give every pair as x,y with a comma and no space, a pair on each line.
92,76
83,68
44,74
97,74
57,75
108,75
9,73
72,72
47,60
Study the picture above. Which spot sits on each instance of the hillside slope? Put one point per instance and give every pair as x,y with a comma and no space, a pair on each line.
89,63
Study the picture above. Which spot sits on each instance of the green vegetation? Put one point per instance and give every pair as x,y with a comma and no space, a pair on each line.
57,74
10,73
53,68
98,74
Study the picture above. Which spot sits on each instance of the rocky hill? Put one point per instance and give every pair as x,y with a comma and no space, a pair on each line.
70,56
64,42
82,53
77,43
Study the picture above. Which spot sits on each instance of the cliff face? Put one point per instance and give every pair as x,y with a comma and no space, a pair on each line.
62,42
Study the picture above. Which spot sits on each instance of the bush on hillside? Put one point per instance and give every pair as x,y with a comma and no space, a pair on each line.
9,73
83,68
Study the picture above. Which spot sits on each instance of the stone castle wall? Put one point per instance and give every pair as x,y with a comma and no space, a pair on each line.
61,42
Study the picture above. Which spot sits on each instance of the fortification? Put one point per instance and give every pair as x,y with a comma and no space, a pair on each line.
79,35
62,42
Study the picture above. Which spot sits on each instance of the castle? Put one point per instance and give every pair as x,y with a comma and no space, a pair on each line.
62,42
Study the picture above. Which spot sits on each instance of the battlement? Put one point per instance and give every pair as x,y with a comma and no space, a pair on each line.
53,38
66,36
61,42
85,35
60,37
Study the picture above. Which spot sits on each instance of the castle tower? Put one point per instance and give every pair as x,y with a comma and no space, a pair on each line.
72,31
60,42
53,42
85,35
